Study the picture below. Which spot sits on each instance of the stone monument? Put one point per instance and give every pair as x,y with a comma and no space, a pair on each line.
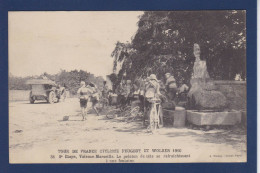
203,94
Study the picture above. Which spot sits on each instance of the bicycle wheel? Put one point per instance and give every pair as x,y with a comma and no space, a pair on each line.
125,111
134,112
112,114
160,123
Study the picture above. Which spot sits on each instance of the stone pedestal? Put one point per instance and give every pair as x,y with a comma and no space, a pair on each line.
214,118
203,95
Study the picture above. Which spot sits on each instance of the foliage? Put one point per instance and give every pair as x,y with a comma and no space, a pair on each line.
164,43
18,83
71,80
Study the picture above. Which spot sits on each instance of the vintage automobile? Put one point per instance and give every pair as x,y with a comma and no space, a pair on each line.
45,89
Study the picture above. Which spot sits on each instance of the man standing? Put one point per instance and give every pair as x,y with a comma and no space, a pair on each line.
152,95
171,86
121,92
105,94
83,93
94,97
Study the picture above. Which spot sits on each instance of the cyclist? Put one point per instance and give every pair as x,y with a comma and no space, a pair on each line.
152,96
94,97
84,93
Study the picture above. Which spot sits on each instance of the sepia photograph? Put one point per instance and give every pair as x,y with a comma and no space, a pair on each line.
127,86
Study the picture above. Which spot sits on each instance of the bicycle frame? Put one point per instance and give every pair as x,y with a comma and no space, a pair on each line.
154,115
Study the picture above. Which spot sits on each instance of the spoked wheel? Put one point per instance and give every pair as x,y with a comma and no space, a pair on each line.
160,123
63,97
31,98
134,113
112,114
51,98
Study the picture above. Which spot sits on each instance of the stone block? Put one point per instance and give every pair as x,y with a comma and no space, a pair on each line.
214,118
178,115
209,99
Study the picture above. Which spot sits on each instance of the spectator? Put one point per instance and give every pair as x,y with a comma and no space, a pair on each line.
171,86
105,91
121,92
128,93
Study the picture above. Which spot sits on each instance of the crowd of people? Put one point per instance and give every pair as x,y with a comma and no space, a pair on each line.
138,92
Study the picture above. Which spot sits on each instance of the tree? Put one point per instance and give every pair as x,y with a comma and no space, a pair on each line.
69,79
164,43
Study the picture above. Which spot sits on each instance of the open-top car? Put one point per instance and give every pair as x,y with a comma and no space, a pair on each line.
45,89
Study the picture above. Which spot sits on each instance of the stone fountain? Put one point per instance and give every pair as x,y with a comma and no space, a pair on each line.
207,103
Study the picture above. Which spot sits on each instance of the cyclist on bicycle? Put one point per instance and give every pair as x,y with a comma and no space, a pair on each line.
152,95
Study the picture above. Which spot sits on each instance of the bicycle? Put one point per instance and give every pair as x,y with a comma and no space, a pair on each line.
127,111
102,104
155,114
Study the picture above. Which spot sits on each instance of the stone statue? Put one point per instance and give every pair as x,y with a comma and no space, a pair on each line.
203,94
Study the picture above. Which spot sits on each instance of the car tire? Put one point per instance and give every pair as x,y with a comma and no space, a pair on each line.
31,98
51,98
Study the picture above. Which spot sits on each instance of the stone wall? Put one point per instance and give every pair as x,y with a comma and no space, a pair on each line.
235,92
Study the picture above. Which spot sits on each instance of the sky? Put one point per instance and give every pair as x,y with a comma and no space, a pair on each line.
50,41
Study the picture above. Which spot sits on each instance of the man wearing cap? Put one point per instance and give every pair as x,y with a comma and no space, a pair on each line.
84,93
171,86
152,91
152,87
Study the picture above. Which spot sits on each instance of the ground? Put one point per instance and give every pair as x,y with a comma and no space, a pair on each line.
37,132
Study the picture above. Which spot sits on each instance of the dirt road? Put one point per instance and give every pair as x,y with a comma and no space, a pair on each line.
37,131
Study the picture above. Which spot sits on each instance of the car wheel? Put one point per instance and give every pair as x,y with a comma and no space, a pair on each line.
31,98
51,98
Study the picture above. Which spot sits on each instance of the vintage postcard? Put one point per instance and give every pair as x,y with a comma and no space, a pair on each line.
127,86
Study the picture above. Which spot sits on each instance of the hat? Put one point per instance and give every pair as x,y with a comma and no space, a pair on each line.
128,81
153,77
167,74
82,83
